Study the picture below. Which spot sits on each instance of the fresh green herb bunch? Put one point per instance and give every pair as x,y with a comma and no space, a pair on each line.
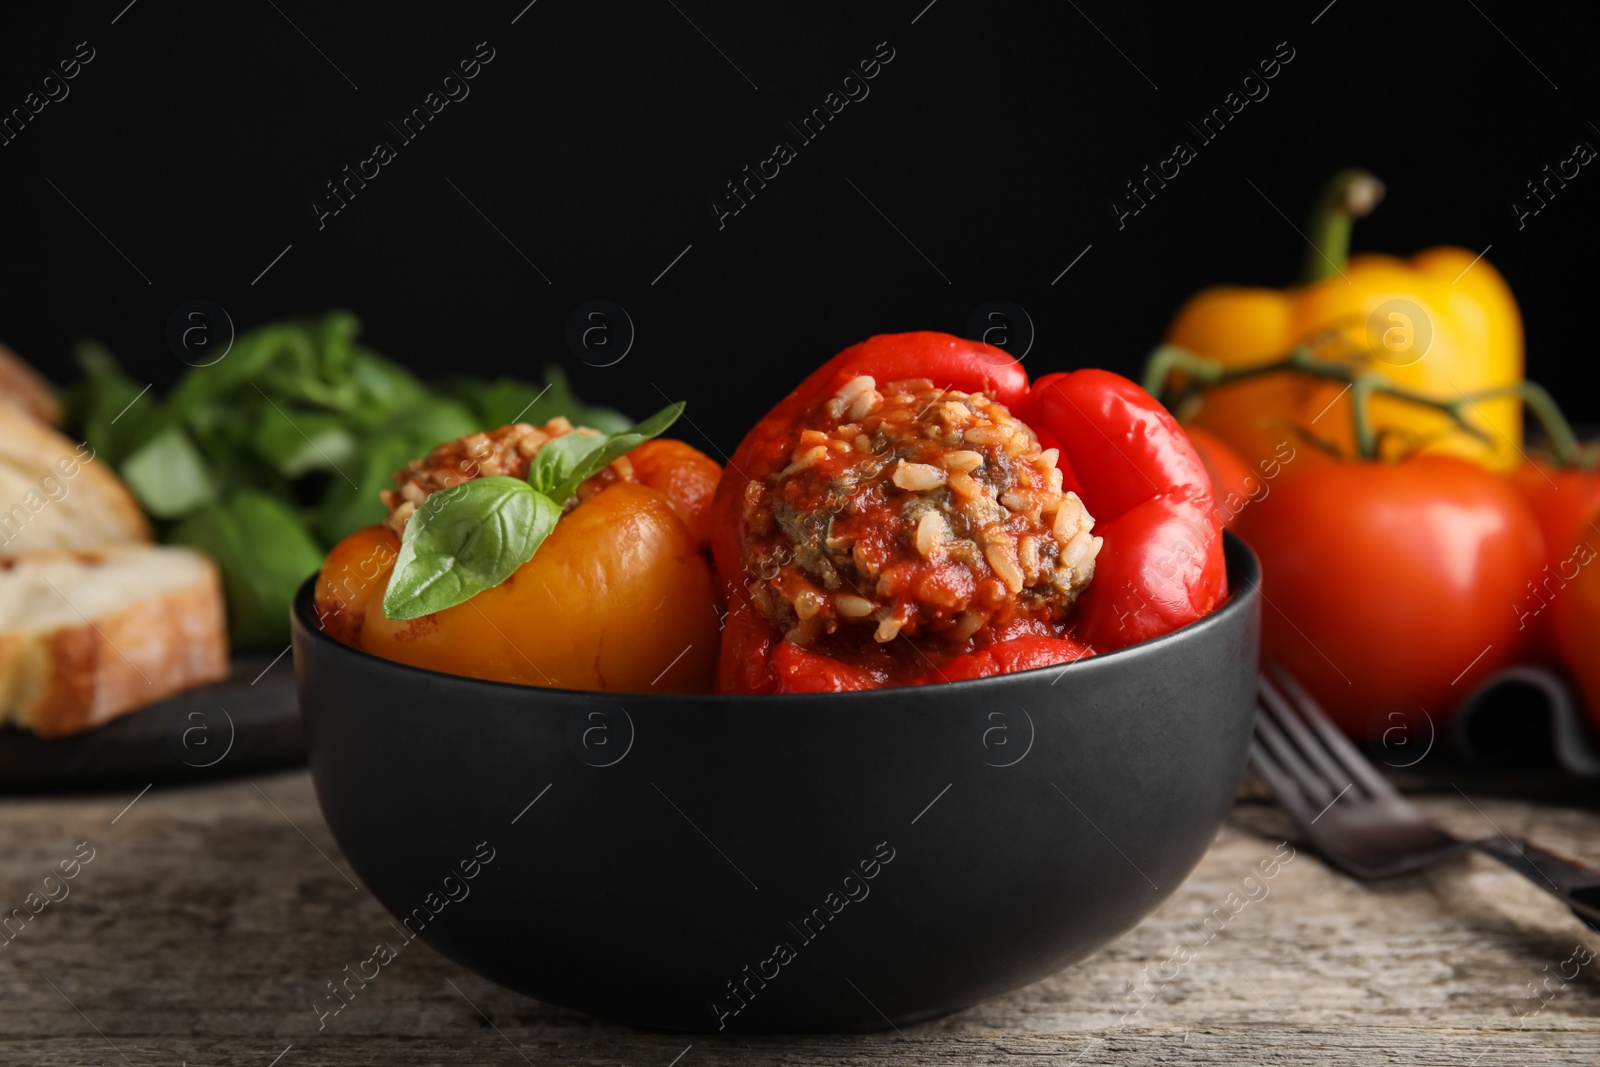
270,456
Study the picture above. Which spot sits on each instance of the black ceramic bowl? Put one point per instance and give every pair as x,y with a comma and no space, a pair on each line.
788,863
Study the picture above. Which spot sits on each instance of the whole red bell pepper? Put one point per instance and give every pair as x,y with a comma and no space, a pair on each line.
1161,564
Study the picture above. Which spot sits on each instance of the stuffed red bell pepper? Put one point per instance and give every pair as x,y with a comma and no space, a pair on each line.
914,512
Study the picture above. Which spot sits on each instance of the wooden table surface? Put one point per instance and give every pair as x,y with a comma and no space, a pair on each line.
208,918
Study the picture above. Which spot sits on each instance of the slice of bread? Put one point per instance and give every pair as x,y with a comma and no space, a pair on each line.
88,635
55,494
22,389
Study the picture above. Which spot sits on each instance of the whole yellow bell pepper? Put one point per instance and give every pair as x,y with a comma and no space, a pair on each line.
1443,324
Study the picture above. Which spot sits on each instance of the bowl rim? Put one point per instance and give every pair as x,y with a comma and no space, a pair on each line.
1243,594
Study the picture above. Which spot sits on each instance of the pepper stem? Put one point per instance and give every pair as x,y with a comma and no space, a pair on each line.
1207,373
1165,359
1349,195
1563,444
1361,411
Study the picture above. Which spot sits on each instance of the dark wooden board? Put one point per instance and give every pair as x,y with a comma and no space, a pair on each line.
249,722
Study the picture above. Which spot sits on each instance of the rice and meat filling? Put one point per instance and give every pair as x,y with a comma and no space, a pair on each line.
507,451
917,511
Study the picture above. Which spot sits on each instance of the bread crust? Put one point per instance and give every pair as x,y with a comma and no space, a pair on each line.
54,493
73,678
22,389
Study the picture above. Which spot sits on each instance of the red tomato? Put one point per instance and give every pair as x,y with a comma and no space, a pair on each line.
1565,501
1575,616
1234,484
1231,477
1392,582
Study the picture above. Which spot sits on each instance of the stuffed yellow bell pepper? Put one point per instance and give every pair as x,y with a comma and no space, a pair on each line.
618,595
1442,323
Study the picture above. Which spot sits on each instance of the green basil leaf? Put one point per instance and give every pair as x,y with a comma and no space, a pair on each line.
615,446
100,408
169,476
385,388
349,505
556,461
264,552
292,442
464,540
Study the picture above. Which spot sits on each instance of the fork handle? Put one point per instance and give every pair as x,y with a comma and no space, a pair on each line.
1575,885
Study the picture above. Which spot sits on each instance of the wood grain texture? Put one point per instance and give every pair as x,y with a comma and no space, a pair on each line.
207,924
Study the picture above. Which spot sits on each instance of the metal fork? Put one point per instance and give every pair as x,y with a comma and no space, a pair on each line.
1359,822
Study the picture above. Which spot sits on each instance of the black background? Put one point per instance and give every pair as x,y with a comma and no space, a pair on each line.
596,139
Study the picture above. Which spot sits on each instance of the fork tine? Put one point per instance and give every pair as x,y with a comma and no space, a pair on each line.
1343,750
1287,716
1308,780
1289,797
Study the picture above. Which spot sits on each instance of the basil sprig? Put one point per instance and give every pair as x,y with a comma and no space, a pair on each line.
560,466
472,536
